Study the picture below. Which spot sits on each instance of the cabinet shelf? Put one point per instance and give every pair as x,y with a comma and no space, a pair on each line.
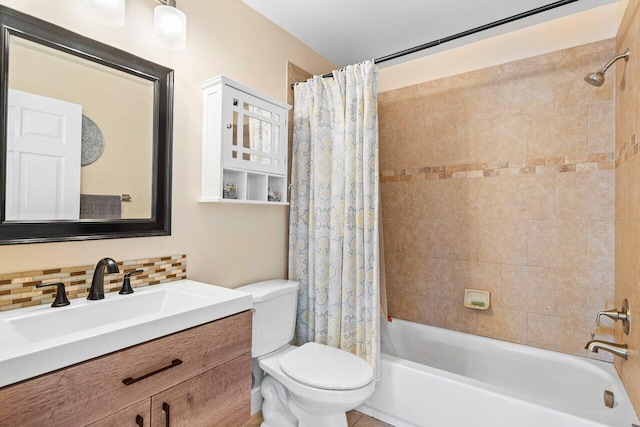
244,148
245,202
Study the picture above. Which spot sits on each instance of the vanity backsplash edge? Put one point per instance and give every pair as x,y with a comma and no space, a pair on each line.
18,290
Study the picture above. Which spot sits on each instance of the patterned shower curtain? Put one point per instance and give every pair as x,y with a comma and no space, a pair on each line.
333,233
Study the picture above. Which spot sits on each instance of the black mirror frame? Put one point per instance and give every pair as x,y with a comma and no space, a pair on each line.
36,30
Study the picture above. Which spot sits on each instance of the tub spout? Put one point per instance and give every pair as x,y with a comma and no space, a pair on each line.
620,350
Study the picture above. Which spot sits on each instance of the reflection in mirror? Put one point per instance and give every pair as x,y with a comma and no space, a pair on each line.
49,92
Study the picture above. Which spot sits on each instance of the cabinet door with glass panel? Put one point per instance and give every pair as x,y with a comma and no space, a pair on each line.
254,128
244,150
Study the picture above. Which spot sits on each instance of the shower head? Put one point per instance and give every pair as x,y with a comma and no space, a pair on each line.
597,79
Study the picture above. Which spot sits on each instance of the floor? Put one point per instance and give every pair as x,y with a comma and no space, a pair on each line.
354,419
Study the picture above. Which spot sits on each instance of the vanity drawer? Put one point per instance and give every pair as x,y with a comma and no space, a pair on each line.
92,390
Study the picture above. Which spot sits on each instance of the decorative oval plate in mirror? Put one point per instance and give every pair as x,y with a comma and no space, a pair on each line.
92,141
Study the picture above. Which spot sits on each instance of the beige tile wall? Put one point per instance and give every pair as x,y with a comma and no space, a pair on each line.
627,194
502,179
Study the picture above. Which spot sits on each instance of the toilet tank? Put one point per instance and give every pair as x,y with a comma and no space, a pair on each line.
274,319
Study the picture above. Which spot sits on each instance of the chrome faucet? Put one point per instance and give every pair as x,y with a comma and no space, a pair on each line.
97,284
620,350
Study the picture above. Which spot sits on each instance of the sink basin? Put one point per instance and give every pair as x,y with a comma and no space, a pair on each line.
41,339
48,324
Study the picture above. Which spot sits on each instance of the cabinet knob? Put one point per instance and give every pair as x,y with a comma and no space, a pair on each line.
229,125
139,421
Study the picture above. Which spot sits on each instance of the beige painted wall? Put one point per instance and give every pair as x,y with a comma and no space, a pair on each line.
226,245
627,200
502,179
119,104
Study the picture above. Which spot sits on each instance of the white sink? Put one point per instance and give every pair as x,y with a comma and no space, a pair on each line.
41,339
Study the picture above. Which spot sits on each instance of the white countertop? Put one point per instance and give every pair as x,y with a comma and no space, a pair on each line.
41,339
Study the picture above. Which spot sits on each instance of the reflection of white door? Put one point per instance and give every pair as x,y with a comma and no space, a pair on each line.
43,157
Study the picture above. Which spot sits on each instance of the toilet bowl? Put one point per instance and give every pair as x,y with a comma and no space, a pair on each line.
309,386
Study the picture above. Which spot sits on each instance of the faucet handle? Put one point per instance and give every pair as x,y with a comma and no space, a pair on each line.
61,296
612,314
126,283
624,314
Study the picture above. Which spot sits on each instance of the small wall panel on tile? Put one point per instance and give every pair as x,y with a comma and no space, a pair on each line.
478,198
529,196
397,200
456,240
559,132
436,199
601,126
586,195
528,289
562,244
502,324
416,237
503,137
451,314
601,246
556,333
503,241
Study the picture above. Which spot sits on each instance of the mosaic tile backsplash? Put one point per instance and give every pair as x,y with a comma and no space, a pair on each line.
19,290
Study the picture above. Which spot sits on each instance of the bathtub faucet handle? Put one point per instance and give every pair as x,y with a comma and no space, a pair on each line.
624,314
612,314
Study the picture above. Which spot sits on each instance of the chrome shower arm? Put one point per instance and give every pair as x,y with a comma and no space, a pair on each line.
624,55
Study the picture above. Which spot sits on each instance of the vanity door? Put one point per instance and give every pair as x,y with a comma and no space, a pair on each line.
136,415
219,397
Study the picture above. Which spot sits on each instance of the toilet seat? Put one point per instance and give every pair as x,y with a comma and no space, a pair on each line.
328,368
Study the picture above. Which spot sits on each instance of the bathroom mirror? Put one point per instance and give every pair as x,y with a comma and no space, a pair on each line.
65,98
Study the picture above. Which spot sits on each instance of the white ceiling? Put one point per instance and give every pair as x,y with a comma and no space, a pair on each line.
351,31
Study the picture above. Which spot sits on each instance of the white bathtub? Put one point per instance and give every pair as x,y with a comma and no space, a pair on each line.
444,378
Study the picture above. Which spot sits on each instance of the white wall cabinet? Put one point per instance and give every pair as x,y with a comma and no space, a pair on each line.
244,145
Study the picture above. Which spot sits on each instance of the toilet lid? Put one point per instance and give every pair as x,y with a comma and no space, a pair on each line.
325,367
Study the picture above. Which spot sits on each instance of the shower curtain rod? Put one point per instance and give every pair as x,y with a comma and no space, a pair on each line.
466,33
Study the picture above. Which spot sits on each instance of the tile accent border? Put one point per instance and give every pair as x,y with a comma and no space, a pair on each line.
601,161
17,290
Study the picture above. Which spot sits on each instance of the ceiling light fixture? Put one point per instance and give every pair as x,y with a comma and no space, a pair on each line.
170,26
107,12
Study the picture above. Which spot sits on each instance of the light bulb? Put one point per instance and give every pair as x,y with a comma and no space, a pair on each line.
107,12
170,27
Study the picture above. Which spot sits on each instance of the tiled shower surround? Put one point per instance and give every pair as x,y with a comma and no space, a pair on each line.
18,290
502,179
627,196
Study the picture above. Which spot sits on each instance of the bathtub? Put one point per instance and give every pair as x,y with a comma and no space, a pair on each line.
436,377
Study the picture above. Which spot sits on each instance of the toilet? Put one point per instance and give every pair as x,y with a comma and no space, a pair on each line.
309,386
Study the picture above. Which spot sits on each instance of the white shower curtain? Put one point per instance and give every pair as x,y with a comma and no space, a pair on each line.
333,232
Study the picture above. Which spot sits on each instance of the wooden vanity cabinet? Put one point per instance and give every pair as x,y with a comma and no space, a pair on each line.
202,376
